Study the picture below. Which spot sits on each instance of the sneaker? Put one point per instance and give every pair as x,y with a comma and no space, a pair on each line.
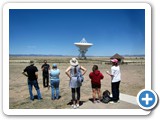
111,102
114,102
40,98
98,101
94,101
52,98
117,101
32,99
77,105
74,106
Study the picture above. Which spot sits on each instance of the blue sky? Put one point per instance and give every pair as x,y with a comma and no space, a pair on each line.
51,31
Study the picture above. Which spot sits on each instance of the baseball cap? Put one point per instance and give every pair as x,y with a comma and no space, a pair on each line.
114,60
54,65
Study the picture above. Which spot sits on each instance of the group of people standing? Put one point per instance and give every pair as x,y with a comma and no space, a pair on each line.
72,72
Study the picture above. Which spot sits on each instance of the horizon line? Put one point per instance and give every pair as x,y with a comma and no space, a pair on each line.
73,55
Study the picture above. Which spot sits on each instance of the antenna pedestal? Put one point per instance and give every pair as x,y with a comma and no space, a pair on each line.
82,54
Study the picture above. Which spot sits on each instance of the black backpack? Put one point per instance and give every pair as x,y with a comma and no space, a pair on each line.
106,96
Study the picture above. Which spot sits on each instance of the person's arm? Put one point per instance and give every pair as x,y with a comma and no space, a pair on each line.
24,73
36,73
84,70
109,73
102,76
58,72
90,76
112,72
67,72
49,67
42,67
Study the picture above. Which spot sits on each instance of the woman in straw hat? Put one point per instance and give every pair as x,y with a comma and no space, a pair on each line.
72,72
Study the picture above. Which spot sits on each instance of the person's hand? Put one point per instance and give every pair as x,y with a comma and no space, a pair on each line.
107,72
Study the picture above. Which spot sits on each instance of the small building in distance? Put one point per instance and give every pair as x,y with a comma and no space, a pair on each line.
118,57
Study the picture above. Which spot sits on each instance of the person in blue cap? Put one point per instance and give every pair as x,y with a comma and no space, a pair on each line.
54,82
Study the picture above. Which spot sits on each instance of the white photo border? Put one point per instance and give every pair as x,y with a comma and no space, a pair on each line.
8,6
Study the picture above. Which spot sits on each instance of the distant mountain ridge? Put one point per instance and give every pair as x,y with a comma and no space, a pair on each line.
133,55
141,55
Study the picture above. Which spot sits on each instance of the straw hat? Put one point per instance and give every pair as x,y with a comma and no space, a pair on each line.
74,62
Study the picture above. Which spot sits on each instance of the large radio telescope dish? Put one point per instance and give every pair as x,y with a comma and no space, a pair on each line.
83,48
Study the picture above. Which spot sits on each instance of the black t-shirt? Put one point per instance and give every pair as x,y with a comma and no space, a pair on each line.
46,68
31,70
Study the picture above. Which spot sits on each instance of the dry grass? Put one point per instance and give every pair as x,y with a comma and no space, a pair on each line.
133,80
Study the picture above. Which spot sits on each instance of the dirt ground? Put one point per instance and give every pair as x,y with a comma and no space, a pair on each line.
133,80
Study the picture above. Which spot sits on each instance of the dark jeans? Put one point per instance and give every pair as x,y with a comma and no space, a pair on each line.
45,80
36,86
74,90
115,91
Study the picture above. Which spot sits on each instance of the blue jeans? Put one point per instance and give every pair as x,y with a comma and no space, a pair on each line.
36,86
55,89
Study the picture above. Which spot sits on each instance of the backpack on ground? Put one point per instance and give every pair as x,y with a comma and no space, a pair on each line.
106,96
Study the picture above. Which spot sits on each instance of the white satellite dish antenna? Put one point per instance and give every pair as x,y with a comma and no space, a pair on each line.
83,48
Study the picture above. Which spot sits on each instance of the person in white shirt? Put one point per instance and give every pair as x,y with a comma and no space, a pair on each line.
116,78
